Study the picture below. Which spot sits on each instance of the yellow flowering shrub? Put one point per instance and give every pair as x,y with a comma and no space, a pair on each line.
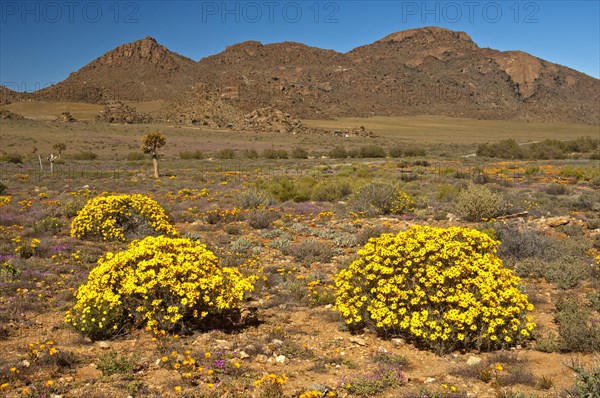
160,283
442,288
114,217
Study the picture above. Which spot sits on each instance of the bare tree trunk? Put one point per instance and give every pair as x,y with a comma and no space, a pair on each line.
155,161
40,159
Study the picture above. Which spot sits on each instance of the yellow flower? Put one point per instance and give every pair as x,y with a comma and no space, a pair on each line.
177,388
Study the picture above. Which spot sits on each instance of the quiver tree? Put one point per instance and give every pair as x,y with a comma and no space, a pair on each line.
151,142
59,147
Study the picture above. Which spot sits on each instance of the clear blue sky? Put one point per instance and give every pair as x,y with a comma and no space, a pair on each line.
41,42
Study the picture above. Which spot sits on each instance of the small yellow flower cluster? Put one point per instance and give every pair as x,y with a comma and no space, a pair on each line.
160,283
110,217
23,249
223,215
316,394
187,194
5,200
325,215
271,378
25,204
403,203
444,288
38,350
320,293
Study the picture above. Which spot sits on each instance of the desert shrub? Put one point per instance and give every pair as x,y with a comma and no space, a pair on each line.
381,198
134,156
370,384
447,193
556,189
371,151
444,289
48,225
311,250
395,152
270,153
15,158
577,332
261,218
3,188
161,283
339,152
519,243
285,188
252,198
414,152
372,232
476,203
115,217
83,155
547,149
587,382
226,153
299,153
582,144
250,153
330,190
507,149
112,363
586,201
187,155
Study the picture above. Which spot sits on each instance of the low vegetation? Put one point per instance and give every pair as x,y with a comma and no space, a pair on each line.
378,270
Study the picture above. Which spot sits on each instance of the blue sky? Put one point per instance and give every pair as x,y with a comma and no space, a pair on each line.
41,42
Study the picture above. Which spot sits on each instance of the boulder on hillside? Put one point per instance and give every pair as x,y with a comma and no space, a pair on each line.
118,112
65,117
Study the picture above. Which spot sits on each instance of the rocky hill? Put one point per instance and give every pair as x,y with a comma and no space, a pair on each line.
139,71
418,71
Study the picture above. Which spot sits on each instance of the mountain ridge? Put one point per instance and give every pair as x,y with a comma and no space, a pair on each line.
429,70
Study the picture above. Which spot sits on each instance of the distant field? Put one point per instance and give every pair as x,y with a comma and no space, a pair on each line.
440,135
443,129
42,110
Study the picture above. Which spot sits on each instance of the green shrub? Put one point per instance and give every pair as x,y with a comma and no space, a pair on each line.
250,153
299,153
414,152
507,149
371,151
112,363
395,152
48,225
3,188
447,193
311,250
380,198
477,203
587,382
275,154
252,198
226,153
261,218
14,158
187,155
577,332
443,288
339,152
331,189
521,243
284,188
